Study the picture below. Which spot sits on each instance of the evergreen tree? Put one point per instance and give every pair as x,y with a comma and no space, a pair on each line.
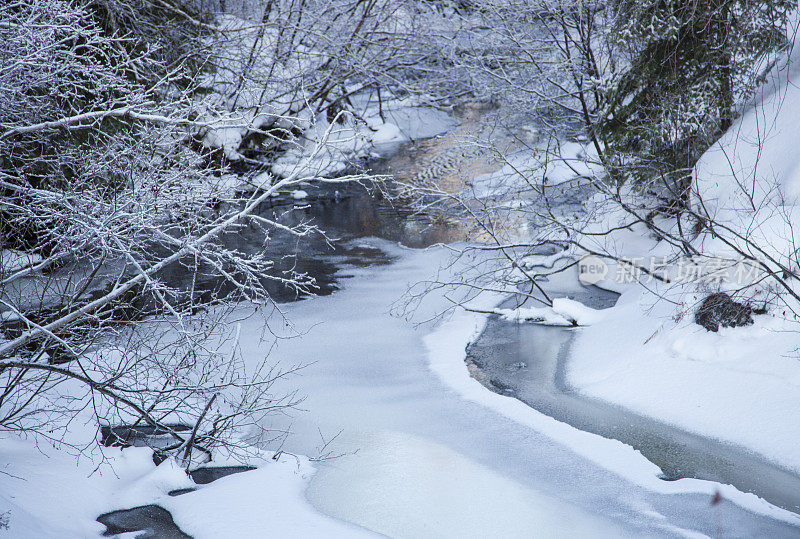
685,66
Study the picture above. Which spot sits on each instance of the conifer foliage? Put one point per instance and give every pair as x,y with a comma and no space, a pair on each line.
683,67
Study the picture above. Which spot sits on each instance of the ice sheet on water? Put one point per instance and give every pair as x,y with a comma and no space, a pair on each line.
419,444
425,489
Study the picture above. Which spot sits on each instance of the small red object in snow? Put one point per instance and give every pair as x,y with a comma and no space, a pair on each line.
716,499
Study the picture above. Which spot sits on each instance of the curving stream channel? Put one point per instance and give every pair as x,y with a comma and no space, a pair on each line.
529,362
523,361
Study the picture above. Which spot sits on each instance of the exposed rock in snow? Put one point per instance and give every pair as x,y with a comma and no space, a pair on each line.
720,310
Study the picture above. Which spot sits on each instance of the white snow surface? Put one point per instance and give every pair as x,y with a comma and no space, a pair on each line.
740,385
237,106
564,312
46,492
750,179
443,456
425,450
545,163
12,260
377,127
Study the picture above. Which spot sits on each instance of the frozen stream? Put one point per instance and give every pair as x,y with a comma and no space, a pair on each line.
426,450
529,362
424,459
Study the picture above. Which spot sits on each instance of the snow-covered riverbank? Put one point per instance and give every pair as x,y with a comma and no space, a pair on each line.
441,453
425,449
740,385
49,493
218,319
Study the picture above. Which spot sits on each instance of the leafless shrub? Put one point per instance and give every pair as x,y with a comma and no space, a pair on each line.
103,194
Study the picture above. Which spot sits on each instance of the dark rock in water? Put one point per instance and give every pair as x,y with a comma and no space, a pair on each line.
205,475
500,387
155,522
670,477
181,491
720,310
548,248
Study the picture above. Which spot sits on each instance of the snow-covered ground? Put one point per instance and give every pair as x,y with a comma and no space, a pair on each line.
236,103
740,385
49,493
376,127
425,449
440,456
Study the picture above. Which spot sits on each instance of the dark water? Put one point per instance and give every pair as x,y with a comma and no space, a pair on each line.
529,361
344,212
153,521
206,475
